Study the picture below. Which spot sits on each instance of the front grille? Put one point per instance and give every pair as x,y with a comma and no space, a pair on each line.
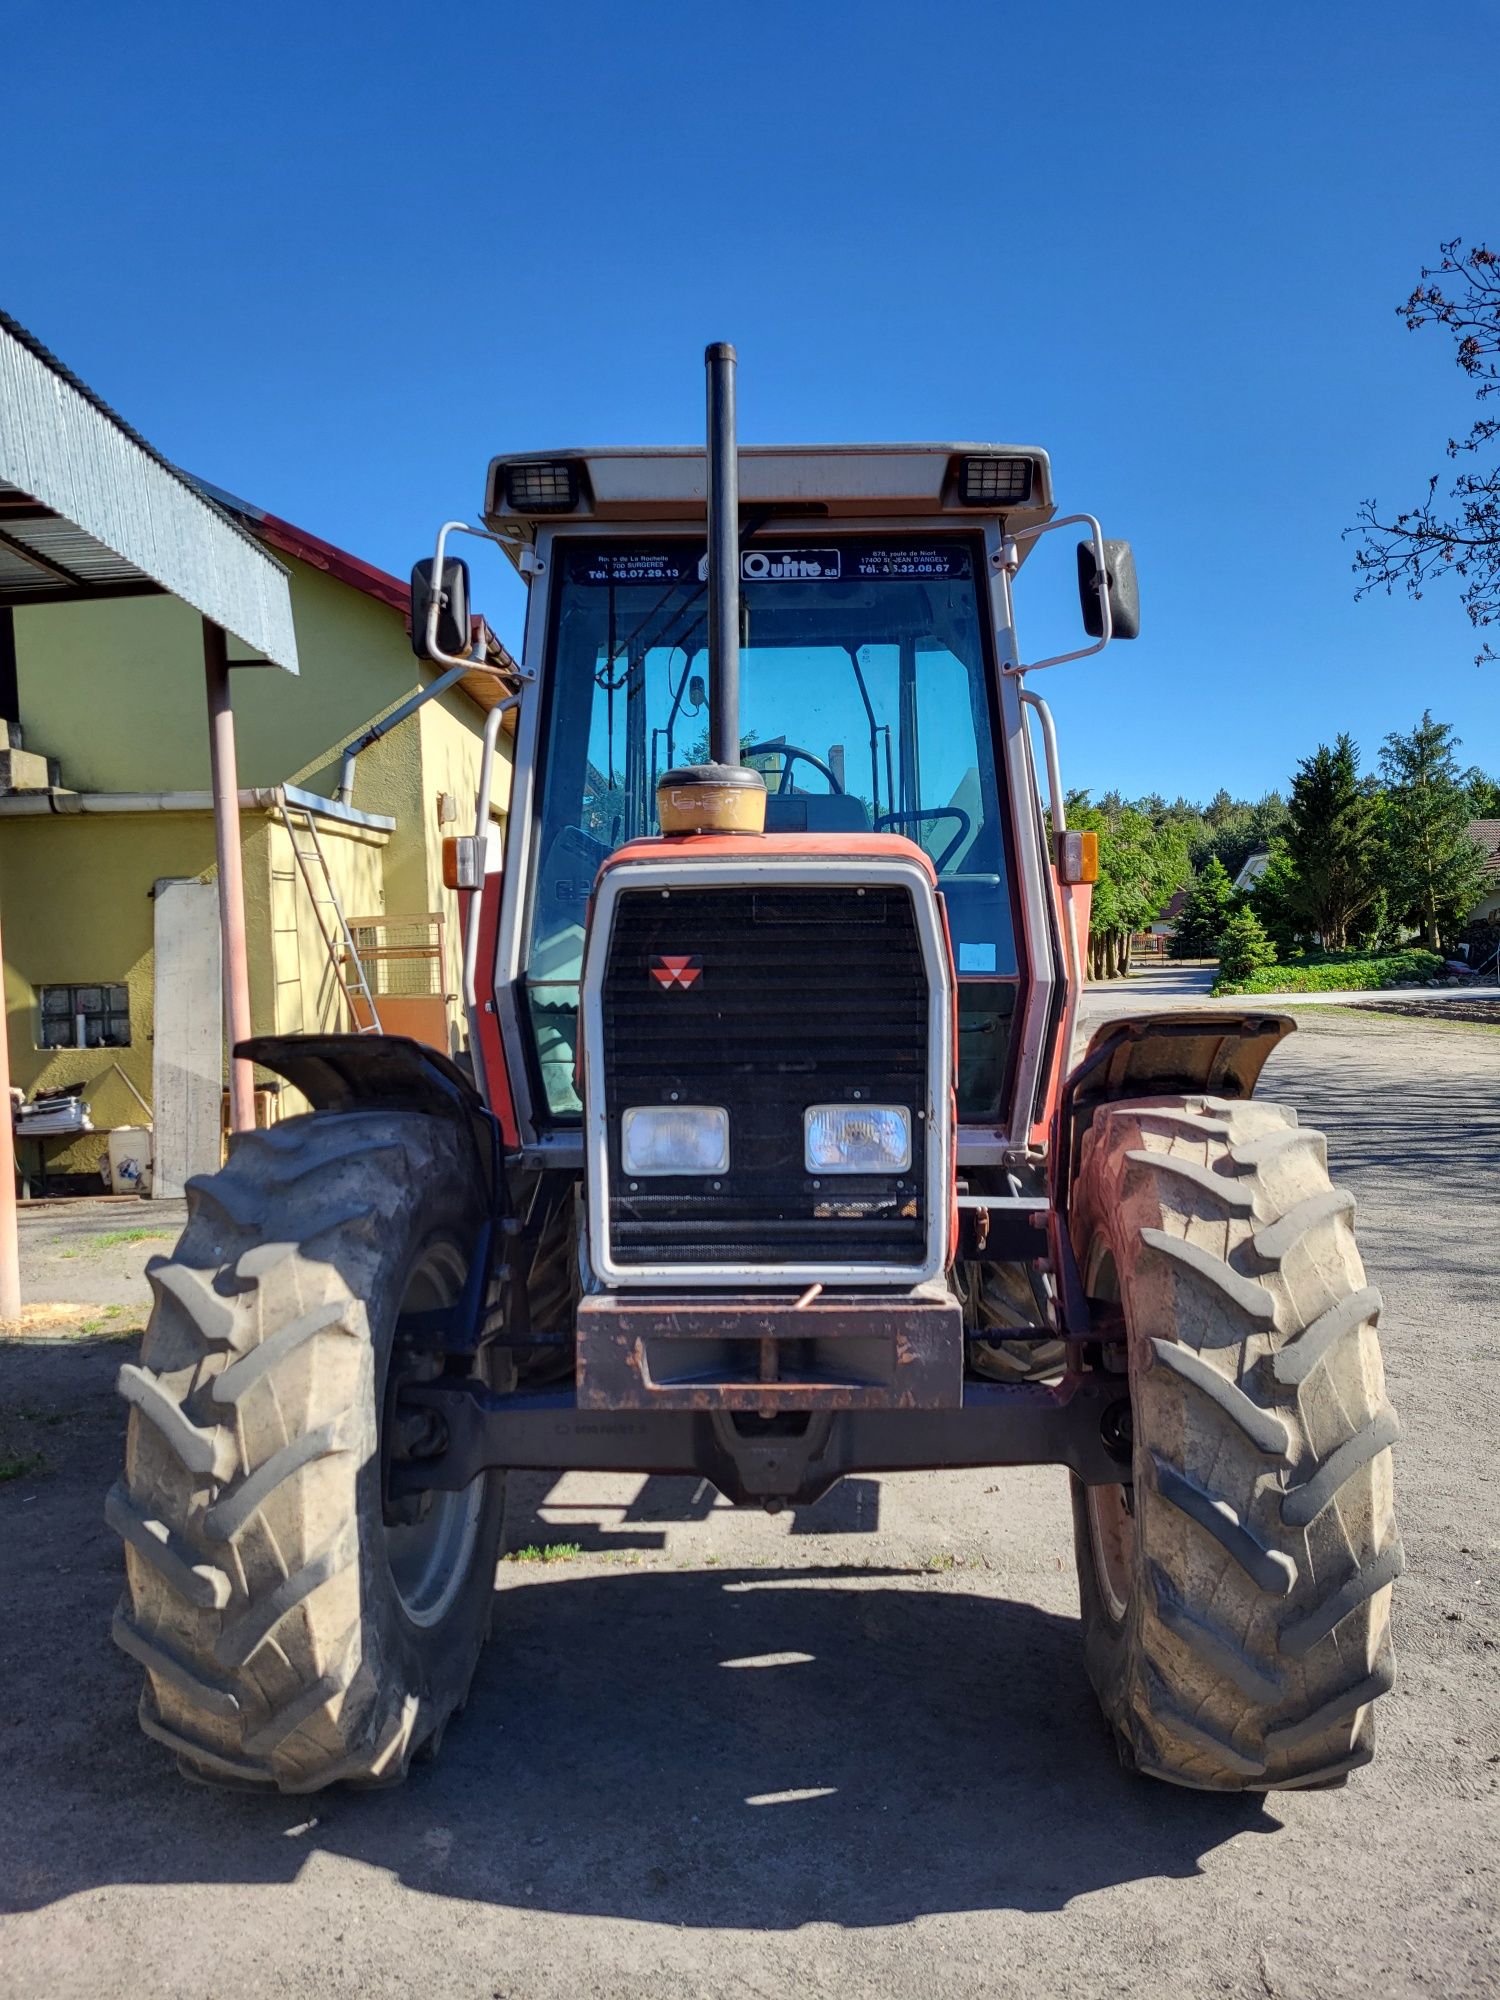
805,996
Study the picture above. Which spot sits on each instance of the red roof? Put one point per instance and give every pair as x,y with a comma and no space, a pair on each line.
289,540
1487,833
312,549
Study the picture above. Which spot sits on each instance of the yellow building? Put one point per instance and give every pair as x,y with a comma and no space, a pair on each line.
104,799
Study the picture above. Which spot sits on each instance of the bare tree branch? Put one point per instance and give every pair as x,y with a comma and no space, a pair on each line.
1461,293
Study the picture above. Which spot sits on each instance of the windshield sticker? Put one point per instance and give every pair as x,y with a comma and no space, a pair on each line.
790,566
858,561
936,560
638,566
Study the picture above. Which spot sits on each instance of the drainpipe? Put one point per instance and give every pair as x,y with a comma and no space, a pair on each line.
441,685
225,780
261,798
23,805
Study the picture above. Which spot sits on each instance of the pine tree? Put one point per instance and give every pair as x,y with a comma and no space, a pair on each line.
1433,868
1276,902
1210,901
1332,841
1244,948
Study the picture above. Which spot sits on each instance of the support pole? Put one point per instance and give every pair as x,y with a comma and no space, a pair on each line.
723,558
10,1253
225,782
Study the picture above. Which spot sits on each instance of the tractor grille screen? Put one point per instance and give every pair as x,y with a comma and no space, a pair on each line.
764,1001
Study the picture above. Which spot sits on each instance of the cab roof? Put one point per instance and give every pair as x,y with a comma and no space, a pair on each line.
525,490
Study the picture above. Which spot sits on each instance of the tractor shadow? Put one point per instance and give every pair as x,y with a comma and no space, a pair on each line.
713,1747
537,1518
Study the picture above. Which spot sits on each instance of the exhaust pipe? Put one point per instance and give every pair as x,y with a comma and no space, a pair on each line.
723,557
722,796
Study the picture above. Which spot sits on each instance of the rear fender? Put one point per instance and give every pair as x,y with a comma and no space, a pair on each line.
1146,1055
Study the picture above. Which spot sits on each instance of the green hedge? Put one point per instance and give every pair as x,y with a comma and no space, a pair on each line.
1330,972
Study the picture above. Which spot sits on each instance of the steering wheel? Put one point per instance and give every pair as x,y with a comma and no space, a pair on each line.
886,821
789,753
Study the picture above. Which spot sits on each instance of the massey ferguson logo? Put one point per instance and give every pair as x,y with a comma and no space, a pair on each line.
789,565
679,970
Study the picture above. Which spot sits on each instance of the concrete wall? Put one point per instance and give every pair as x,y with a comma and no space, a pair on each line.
450,765
75,898
75,901
305,996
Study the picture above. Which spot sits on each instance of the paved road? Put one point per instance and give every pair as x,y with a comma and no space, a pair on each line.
846,1752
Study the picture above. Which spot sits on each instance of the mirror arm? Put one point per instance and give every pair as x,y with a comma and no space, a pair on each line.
1057,806
476,658
1009,560
483,836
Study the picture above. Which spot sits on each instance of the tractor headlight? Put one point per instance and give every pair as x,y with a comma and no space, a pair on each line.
857,1138
675,1139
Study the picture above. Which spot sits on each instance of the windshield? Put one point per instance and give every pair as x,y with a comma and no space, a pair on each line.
863,701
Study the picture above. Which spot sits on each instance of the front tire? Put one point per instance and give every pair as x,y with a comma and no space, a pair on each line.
1236,1595
297,1630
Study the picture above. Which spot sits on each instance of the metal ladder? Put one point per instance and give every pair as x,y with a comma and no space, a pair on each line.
305,863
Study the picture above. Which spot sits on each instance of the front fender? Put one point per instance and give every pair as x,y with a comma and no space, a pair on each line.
383,1072
1148,1055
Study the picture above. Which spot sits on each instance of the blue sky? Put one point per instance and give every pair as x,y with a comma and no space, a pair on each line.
333,257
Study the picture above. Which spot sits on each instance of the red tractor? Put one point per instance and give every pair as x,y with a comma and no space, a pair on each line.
771,1164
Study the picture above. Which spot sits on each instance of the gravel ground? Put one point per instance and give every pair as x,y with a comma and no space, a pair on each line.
848,1751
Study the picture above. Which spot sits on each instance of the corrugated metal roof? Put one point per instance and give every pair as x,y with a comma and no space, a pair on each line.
486,685
88,508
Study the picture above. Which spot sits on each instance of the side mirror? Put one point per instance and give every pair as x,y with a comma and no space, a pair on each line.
452,594
1124,593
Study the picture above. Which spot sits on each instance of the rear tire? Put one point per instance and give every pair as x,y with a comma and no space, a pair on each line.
293,1634
1236,1598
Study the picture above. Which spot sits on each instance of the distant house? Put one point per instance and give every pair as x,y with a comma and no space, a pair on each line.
1252,871
1487,833
1165,923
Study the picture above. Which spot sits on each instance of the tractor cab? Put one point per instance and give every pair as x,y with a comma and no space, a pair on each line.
872,585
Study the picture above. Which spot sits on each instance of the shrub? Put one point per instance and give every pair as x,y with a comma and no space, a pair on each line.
1244,948
1348,973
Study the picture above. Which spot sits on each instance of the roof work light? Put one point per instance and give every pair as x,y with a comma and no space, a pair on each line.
547,487
994,482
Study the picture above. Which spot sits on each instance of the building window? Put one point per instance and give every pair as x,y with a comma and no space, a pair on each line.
85,1017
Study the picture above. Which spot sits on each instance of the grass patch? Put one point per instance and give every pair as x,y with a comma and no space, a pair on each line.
545,1552
1339,972
1389,1020
105,1326
113,1238
16,1464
